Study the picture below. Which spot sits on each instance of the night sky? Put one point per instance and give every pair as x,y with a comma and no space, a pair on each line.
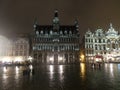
17,16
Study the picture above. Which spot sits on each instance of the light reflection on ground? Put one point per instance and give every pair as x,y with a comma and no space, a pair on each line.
82,70
61,77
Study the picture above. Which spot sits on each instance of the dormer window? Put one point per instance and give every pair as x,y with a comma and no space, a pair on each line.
65,32
37,32
61,32
70,32
41,32
88,35
51,32
98,34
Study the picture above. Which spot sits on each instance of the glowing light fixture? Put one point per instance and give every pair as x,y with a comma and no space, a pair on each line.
51,59
6,59
82,58
60,58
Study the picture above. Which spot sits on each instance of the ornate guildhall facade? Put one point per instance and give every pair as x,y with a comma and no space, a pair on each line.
102,46
56,43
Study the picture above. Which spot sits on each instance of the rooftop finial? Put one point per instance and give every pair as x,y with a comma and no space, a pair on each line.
56,13
111,26
88,29
76,21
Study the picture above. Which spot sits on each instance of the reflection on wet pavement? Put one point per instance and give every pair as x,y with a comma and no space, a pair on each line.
60,77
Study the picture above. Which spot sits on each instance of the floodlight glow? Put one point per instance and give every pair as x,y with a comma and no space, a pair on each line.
82,56
97,60
18,59
30,58
51,59
60,58
6,59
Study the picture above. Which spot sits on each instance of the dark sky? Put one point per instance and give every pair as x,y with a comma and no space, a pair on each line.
17,16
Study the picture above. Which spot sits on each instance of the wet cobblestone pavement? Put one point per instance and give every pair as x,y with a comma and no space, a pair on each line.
61,77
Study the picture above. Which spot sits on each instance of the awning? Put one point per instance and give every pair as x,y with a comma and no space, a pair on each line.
98,56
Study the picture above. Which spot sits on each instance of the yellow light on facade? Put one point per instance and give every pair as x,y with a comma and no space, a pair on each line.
82,58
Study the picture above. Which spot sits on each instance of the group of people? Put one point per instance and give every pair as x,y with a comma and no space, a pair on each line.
96,65
28,70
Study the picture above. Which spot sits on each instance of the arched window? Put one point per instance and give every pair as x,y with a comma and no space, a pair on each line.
103,40
95,40
113,45
61,32
95,47
108,41
99,40
104,47
99,34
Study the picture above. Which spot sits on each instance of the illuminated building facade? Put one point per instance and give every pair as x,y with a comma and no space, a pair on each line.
21,49
102,46
56,43
13,50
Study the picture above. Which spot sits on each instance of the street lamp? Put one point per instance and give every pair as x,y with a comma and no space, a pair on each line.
82,58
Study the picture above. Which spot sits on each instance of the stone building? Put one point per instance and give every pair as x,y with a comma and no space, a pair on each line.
21,49
13,50
56,43
102,46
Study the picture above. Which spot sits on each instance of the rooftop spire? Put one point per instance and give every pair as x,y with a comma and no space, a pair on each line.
76,25
35,21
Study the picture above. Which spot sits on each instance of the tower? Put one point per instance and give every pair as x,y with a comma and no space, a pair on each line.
55,21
